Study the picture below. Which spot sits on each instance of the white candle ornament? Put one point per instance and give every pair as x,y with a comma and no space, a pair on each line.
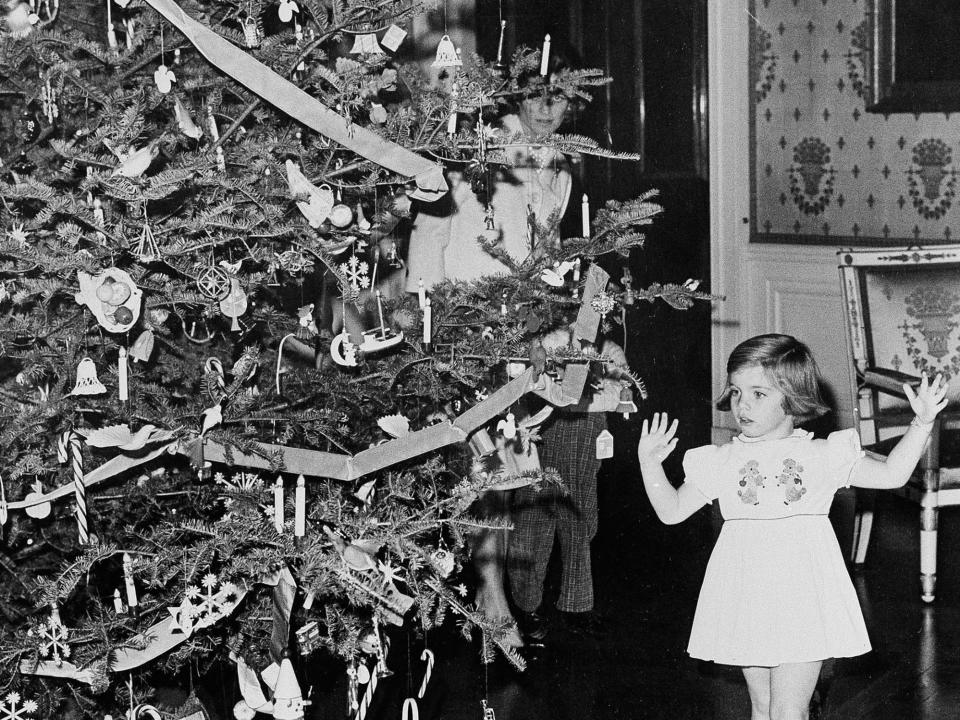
421,293
545,56
585,215
503,27
118,602
278,505
427,322
300,508
122,375
212,124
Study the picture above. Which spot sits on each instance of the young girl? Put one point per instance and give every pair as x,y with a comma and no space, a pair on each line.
776,598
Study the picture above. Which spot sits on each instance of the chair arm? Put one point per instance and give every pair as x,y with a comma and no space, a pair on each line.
889,381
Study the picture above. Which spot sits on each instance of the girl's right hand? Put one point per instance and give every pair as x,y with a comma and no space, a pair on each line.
657,440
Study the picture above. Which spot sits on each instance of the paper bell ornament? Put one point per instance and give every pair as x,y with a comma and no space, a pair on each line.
87,381
366,44
142,347
251,33
447,55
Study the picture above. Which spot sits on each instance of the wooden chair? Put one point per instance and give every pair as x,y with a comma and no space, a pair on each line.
902,312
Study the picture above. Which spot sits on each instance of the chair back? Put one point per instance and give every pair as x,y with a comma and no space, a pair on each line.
902,313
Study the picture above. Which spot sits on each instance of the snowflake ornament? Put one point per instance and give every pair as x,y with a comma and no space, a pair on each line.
53,639
9,709
603,303
202,608
357,272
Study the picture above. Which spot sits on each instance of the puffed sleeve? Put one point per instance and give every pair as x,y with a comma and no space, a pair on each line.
700,470
842,454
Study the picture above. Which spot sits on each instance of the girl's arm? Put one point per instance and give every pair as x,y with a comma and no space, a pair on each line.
657,441
927,402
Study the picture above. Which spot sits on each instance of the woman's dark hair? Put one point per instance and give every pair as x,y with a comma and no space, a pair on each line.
791,367
563,57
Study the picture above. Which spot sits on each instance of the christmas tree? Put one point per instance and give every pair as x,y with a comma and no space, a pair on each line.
226,435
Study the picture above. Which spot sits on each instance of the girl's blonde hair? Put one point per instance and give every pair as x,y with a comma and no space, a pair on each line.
791,367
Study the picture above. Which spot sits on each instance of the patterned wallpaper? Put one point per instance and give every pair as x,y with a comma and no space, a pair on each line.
825,171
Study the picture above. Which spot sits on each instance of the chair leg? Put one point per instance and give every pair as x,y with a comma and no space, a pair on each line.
929,510
862,527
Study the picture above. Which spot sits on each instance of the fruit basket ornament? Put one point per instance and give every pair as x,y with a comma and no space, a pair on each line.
113,298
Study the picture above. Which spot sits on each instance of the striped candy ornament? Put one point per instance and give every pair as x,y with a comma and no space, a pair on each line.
79,488
63,441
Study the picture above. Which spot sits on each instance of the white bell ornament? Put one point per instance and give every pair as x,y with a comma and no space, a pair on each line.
87,381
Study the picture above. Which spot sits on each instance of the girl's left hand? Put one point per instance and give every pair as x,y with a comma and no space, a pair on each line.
929,398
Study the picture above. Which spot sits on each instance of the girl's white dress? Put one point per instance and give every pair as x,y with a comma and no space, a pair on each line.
776,588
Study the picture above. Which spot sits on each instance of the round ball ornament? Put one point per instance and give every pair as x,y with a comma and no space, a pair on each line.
105,291
123,316
23,165
443,561
341,216
121,293
363,674
242,711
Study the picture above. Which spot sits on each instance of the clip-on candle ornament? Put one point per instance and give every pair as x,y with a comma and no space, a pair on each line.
118,607
452,120
500,66
427,325
585,216
278,505
545,55
3,504
122,388
300,508
212,124
111,30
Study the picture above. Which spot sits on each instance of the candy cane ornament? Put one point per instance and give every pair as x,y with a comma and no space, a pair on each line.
63,441
428,656
410,710
79,489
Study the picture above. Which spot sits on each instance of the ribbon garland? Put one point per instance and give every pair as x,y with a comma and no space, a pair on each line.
285,96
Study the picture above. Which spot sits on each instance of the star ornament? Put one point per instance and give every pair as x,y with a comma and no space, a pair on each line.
18,235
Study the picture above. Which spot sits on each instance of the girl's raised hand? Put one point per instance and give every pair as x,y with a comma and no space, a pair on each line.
657,439
929,398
